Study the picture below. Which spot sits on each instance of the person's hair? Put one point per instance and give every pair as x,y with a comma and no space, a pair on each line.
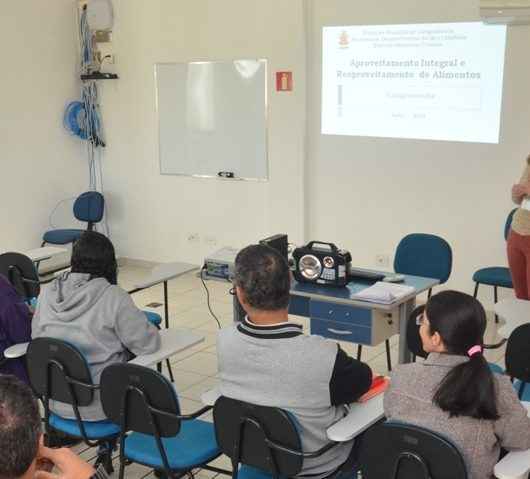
468,389
93,253
264,277
20,427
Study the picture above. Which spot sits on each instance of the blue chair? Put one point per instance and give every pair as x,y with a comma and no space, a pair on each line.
59,372
518,360
263,442
496,276
420,254
410,452
88,207
153,432
426,255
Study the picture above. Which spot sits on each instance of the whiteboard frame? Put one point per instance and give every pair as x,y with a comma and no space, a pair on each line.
266,108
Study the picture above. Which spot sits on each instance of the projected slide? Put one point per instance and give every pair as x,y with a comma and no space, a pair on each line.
426,81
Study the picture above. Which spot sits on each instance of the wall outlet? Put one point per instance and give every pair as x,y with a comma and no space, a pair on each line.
382,260
193,238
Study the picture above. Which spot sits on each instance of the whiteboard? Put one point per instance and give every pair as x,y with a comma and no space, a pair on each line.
212,117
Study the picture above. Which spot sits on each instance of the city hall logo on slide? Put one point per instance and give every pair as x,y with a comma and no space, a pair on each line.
344,39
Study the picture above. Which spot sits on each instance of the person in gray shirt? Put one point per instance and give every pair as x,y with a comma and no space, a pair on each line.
267,360
87,309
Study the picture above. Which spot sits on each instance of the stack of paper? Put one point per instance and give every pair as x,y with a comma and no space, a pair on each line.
386,293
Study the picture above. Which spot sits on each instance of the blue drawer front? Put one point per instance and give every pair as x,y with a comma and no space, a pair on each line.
341,331
341,313
299,305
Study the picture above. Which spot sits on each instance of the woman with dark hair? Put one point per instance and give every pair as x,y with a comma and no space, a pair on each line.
86,308
453,392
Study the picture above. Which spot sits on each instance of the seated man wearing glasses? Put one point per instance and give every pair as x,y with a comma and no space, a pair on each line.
267,360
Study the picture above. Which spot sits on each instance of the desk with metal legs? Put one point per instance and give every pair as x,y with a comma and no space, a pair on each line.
335,314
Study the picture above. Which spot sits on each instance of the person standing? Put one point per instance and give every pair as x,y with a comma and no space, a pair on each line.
519,237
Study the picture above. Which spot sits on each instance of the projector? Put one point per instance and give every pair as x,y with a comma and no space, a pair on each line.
221,263
505,12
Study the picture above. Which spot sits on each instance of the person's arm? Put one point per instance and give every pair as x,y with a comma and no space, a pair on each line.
513,426
521,189
17,324
135,332
350,379
69,465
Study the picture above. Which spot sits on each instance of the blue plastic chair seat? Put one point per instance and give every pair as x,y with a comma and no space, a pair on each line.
495,368
195,444
94,429
526,392
154,318
62,236
494,276
248,472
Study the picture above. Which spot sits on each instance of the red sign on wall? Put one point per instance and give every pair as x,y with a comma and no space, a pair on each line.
284,81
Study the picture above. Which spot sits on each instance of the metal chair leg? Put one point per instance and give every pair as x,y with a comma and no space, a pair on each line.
429,293
388,358
495,300
476,290
170,371
359,351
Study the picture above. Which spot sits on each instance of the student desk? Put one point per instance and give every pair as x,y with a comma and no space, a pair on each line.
172,341
47,252
162,273
336,315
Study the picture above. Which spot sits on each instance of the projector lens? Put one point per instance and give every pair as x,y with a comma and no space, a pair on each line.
310,267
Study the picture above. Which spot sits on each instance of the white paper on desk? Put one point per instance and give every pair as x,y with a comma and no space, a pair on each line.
525,204
382,292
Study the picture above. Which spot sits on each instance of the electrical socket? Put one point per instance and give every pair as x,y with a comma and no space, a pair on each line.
193,238
382,260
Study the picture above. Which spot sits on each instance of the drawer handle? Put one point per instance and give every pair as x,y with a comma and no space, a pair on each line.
338,331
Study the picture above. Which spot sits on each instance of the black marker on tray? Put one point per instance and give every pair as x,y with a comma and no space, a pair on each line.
226,174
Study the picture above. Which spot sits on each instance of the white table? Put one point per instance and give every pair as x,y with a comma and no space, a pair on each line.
172,341
162,273
360,417
46,252
515,312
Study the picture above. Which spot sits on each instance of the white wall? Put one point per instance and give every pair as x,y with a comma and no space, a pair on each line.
40,163
152,215
367,193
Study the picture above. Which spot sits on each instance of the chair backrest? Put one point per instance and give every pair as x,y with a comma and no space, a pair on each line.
413,333
401,451
140,400
508,223
425,255
89,207
20,271
244,432
58,371
518,353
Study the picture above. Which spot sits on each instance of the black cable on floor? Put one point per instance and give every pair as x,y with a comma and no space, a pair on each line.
208,299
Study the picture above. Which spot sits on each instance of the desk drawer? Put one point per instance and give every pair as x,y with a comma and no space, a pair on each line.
341,331
341,313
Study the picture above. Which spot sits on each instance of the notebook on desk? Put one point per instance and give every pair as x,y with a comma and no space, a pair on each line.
386,293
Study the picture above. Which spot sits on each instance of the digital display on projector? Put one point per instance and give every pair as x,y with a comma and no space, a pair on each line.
438,81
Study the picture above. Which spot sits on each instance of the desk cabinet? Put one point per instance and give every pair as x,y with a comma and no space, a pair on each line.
346,323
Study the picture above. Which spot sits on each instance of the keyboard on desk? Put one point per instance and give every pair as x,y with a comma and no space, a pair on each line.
365,274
